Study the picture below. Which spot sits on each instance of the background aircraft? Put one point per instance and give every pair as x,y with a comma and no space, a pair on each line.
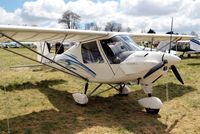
187,47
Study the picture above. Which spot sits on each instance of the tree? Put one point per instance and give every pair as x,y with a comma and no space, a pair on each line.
143,31
194,34
128,29
113,26
70,20
151,31
92,26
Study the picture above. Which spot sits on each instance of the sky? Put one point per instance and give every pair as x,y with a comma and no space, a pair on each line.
139,15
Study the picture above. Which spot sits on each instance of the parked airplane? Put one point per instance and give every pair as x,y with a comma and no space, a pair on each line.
187,47
9,44
16,45
100,57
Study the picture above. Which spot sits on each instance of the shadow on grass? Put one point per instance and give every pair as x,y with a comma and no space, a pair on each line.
194,64
29,85
121,113
174,90
195,56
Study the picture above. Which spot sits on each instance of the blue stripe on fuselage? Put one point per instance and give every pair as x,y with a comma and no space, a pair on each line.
74,60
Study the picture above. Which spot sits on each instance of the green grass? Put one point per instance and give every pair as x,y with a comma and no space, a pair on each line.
40,101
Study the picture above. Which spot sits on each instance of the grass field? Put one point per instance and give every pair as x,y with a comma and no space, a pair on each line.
39,101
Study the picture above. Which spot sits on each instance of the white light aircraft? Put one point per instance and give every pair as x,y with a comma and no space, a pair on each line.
100,57
179,45
187,47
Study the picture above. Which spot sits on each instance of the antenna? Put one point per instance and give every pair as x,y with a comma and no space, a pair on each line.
171,35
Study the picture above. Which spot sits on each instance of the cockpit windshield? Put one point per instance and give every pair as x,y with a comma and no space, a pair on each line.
118,48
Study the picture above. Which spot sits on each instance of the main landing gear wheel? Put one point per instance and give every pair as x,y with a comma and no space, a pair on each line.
152,111
80,99
181,56
124,90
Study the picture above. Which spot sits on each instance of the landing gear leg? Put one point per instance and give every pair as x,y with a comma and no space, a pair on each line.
86,88
151,104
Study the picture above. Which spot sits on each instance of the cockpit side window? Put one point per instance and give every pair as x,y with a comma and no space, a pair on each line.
110,51
118,48
90,53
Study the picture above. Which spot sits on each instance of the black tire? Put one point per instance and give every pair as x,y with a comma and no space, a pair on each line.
119,94
189,55
181,56
152,111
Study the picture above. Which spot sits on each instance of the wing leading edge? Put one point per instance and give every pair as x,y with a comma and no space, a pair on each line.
38,34
158,37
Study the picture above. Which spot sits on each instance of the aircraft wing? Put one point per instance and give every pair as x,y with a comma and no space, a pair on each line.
38,34
158,37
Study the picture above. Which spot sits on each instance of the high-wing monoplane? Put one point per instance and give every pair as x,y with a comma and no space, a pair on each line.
101,57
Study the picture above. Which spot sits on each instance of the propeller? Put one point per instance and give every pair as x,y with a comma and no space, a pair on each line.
162,64
159,66
176,73
155,68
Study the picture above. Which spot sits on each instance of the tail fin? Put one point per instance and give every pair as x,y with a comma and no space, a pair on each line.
195,44
44,49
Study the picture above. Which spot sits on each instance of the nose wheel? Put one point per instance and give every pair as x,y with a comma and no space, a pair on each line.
151,104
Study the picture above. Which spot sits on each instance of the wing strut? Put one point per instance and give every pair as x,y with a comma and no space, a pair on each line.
71,72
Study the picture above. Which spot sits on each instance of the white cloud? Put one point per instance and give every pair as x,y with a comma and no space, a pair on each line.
9,18
137,14
192,9
150,7
41,11
90,10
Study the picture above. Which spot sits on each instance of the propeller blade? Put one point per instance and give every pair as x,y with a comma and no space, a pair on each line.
176,73
154,69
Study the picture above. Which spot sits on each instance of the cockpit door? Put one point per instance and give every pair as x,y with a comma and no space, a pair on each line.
116,49
94,60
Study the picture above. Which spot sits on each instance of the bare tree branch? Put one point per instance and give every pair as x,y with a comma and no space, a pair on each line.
70,20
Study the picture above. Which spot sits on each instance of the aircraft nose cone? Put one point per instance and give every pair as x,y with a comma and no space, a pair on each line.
171,59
